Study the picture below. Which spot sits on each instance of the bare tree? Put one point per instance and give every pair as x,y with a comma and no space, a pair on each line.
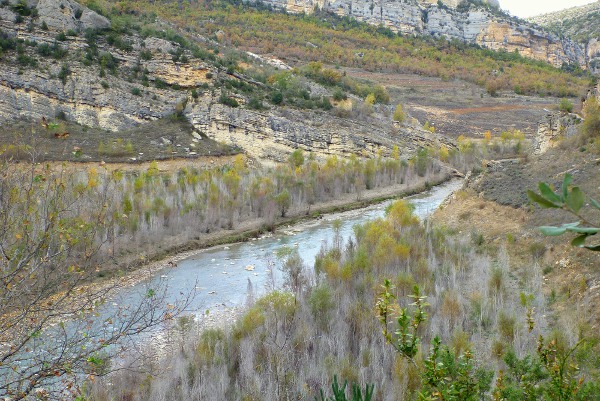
54,330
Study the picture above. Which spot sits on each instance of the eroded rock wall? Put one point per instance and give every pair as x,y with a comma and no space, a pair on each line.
478,25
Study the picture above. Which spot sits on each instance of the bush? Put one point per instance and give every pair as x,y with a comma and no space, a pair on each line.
565,106
64,73
146,55
399,114
277,98
339,95
61,37
160,84
136,91
228,101
255,103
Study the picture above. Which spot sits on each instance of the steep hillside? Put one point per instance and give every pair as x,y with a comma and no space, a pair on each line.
581,24
344,41
470,21
82,82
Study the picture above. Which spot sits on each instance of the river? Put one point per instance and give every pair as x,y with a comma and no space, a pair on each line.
221,273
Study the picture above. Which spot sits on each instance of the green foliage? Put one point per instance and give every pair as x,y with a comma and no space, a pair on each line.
406,340
565,106
228,101
64,73
136,91
590,128
277,98
339,392
572,200
296,158
399,114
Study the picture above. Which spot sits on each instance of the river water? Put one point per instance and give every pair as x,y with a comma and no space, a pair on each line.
220,274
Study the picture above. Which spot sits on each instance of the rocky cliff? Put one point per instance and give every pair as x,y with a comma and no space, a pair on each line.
581,24
116,83
482,24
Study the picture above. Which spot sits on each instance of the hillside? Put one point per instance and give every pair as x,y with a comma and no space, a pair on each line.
135,81
581,24
134,87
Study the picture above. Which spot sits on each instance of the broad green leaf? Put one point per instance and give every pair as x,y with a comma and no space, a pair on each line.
549,193
540,200
585,230
579,240
595,203
565,186
575,200
553,231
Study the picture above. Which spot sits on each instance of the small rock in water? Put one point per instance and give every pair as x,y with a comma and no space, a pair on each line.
226,247
224,272
212,260
212,292
250,268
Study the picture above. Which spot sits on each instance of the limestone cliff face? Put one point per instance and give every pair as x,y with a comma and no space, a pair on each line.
475,24
552,128
272,135
130,95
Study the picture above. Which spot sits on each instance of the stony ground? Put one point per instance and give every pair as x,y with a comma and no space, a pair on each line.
460,108
166,139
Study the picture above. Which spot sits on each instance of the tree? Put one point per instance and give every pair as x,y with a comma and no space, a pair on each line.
53,331
399,114
283,200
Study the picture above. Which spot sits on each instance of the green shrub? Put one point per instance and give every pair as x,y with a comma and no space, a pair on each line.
339,95
146,55
277,98
136,91
228,101
565,106
399,114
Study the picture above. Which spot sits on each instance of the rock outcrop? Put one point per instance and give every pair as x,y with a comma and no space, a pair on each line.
478,24
554,127
273,135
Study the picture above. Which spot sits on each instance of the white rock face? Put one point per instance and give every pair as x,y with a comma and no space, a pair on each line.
61,15
478,25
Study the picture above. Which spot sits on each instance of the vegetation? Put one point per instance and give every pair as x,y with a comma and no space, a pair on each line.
53,227
572,200
485,338
338,40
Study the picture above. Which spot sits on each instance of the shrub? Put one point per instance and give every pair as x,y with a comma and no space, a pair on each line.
136,91
160,84
228,101
399,114
565,106
64,73
61,37
277,98
104,84
339,95
146,55
255,103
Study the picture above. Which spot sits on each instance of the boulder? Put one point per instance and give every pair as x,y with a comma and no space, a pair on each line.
62,15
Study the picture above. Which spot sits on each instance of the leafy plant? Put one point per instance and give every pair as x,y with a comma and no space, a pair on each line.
339,392
571,199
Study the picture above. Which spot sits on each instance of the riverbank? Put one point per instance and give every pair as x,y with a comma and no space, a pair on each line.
167,255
